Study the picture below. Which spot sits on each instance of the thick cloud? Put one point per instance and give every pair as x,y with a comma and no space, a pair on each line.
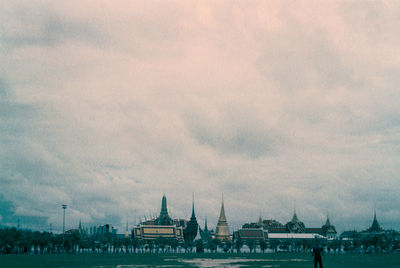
104,106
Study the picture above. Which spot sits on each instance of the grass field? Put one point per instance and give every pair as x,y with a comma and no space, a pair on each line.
196,260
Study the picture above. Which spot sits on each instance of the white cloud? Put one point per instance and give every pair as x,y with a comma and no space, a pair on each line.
105,106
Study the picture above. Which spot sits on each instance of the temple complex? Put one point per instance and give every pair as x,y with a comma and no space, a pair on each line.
164,227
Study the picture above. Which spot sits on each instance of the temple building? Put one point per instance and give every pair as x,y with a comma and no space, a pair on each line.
164,218
374,229
167,228
258,235
328,230
295,225
205,234
190,232
222,230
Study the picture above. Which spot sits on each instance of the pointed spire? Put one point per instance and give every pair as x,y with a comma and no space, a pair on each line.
164,218
193,214
127,230
294,218
222,229
375,225
328,222
222,217
205,225
164,205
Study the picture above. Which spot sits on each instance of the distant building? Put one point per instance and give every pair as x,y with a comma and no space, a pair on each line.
293,229
295,225
164,227
222,229
258,235
164,218
374,229
205,234
126,231
328,230
349,235
375,234
190,231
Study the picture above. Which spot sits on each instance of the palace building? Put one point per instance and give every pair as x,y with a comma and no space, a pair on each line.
294,229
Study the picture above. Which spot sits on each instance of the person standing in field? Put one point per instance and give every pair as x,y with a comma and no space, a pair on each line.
317,252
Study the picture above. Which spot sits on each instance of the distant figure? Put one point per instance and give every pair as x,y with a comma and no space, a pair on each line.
317,252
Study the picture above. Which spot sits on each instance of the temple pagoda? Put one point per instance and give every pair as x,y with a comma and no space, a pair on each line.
222,230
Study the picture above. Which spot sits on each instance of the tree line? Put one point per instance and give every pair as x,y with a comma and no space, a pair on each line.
18,241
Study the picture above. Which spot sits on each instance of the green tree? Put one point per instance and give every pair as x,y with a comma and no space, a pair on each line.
251,244
174,244
263,245
238,244
274,244
199,245
135,244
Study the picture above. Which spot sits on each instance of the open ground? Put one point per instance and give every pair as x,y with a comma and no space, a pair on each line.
280,260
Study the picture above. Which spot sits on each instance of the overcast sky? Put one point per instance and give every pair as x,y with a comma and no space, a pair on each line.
280,105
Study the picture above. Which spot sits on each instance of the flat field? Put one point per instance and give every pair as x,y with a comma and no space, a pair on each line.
281,260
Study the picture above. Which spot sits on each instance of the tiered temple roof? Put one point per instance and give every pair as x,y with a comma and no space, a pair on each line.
295,225
328,229
375,227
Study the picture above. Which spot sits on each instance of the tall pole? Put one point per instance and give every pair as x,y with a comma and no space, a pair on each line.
64,208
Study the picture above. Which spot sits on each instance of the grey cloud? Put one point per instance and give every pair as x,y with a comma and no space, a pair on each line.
5,90
302,121
298,60
374,21
228,135
49,29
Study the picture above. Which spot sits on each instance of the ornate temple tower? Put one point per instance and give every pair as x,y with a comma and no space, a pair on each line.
295,225
328,229
192,226
164,218
375,227
222,230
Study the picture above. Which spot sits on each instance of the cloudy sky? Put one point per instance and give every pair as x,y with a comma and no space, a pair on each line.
280,105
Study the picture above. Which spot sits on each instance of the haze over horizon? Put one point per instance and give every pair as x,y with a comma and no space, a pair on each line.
280,105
